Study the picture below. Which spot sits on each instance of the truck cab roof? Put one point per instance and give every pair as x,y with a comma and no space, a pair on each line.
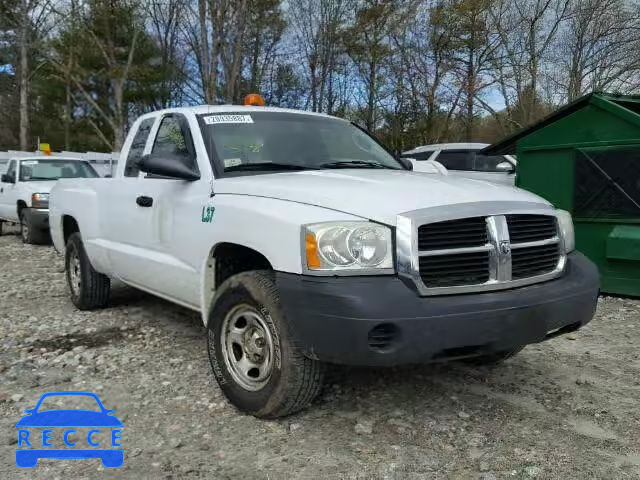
205,109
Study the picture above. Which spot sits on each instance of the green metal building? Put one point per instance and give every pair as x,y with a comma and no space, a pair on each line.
585,158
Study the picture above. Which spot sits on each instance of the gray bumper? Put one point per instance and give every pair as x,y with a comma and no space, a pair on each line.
382,321
40,218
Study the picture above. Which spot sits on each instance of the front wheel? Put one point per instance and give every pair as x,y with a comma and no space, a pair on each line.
29,233
89,289
253,354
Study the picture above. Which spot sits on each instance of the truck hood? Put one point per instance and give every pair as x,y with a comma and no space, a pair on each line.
41,186
378,195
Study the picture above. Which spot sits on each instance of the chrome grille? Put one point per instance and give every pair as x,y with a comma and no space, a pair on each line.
460,233
531,261
455,269
473,253
530,228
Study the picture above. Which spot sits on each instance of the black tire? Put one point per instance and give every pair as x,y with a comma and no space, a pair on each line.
89,289
294,379
29,233
493,359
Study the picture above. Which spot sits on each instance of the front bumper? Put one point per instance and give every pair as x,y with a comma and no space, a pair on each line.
382,321
40,218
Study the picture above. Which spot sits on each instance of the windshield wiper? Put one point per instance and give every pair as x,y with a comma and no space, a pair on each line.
265,166
355,164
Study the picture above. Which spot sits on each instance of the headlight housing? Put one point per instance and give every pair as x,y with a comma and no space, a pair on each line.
565,225
40,200
347,248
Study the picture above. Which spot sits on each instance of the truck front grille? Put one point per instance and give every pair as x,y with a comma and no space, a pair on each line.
460,233
455,269
530,228
531,261
487,252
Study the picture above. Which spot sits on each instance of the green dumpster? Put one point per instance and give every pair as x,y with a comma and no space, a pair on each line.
585,158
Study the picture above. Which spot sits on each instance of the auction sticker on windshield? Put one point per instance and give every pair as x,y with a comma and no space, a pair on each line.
213,119
69,425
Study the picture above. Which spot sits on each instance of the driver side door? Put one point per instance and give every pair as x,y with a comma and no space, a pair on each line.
8,194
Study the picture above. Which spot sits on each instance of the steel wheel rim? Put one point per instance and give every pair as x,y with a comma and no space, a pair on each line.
75,277
247,347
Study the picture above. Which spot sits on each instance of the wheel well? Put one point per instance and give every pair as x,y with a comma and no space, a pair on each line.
69,226
231,258
20,205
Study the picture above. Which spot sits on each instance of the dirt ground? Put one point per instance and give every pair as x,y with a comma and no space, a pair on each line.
566,409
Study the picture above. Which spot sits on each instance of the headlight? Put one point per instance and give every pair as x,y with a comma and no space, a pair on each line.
40,200
347,247
565,223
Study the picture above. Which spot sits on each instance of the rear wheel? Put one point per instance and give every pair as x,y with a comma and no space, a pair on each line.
89,289
252,351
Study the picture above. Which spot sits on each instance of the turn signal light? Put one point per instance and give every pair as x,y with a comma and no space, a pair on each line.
311,247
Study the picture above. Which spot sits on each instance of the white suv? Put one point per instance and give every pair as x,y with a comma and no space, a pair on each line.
466,160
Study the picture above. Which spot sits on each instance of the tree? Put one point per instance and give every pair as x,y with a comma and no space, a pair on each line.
598,48
318,27
118,56
29,21
472,47
368,44
526,30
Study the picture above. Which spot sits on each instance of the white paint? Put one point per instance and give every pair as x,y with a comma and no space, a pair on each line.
12,193
166,249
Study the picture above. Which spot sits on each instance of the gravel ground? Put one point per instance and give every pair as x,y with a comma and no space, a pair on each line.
566,409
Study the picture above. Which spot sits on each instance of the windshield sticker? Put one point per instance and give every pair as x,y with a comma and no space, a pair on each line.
232,162
213,119
30,162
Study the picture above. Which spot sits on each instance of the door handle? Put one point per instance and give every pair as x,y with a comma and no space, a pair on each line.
144,201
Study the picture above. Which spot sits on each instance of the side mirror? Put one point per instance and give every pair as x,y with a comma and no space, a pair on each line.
167,166
506,167
29,410
7,178
406,163
109,411
108,175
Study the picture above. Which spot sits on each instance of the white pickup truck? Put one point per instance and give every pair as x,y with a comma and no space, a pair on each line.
302,242
24,191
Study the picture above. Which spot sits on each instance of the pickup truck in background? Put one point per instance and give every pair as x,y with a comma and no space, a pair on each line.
301,241
24,191
465,160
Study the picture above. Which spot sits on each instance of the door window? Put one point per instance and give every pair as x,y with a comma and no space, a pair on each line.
137,148
11,171
171,142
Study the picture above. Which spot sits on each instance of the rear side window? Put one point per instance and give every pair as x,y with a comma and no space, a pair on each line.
418,155
455,160
137,148
469,160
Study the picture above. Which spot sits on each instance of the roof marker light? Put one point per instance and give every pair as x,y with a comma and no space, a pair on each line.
254,100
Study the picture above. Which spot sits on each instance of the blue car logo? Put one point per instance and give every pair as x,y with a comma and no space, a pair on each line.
61,429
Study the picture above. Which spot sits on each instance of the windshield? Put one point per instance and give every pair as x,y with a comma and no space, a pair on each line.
69,402
34,170
267,141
